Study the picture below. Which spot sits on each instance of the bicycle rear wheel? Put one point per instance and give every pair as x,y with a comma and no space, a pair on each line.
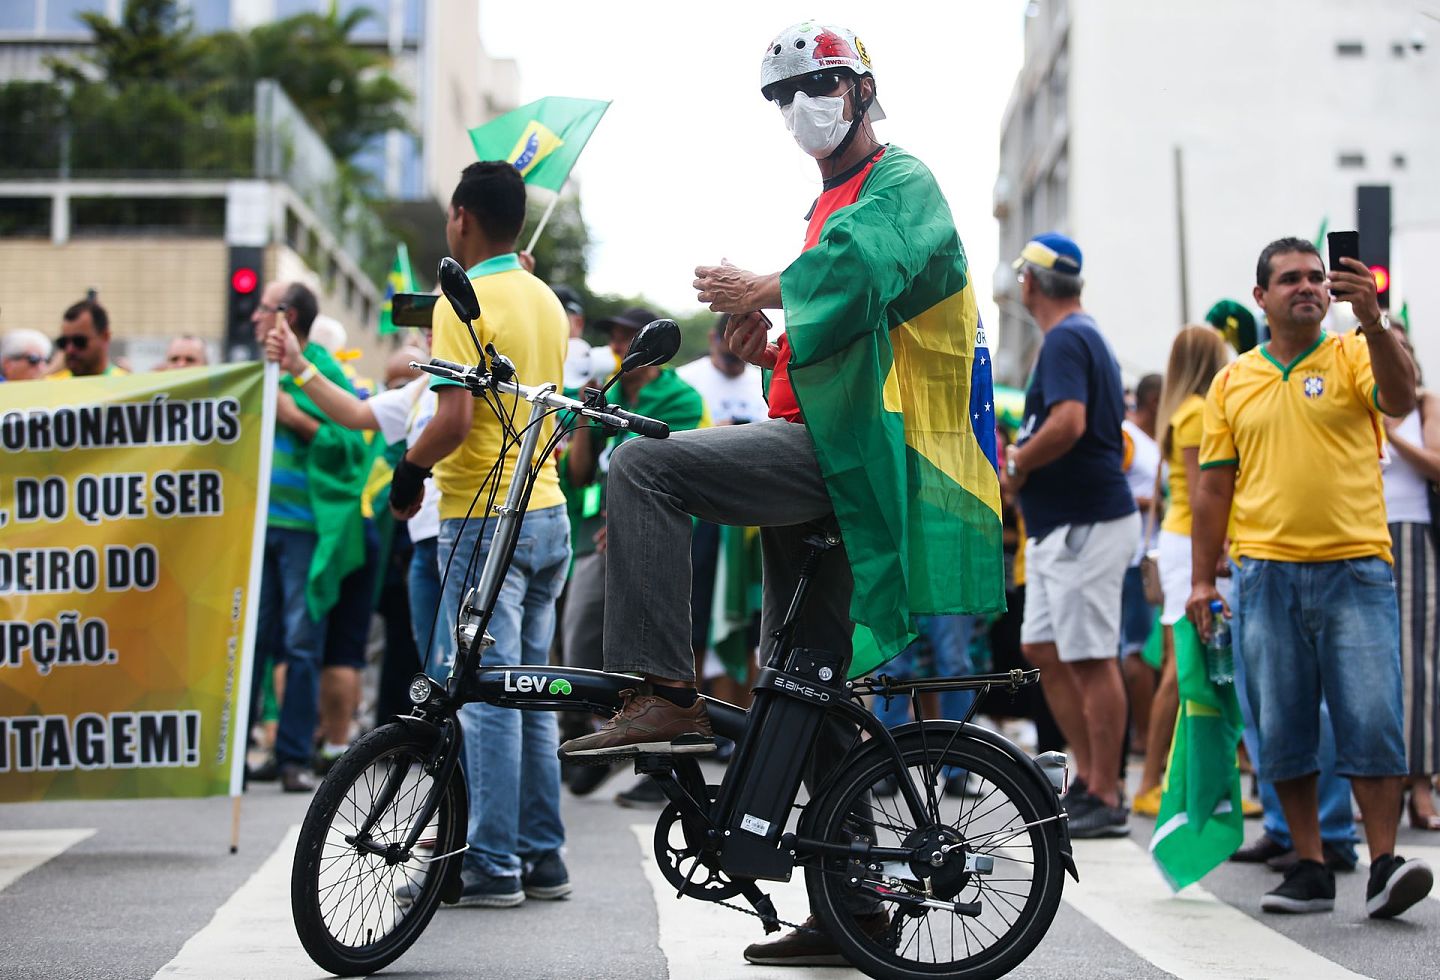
356,912
991,822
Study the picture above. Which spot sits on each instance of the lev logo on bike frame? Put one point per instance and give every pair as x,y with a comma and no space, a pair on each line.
533,684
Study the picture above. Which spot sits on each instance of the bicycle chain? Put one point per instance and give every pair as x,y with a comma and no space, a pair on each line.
793,925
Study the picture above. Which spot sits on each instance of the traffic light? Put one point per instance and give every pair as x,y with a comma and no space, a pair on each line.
1372,218
244,297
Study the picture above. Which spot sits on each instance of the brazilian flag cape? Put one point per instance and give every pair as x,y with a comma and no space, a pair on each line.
892,373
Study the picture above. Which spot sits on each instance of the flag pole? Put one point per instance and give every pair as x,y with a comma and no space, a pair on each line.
544,219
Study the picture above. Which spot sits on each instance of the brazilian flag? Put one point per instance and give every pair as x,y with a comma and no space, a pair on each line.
542,140
891,368
1199,824
400,280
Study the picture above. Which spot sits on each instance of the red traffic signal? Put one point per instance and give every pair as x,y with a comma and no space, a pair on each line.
244,280
1382,278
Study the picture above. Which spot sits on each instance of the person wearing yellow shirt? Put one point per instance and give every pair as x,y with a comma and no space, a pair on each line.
85,341
1291,446
1197,354
515,832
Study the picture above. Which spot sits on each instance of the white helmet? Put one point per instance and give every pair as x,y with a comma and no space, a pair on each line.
810,47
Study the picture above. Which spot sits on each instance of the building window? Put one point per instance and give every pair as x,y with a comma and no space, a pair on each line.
1398,161
414,22
1349,49
210,16
1397,50
63,16
293,8
19,15
1352,161
376,26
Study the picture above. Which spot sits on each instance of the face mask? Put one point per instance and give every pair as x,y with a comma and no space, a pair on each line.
818,124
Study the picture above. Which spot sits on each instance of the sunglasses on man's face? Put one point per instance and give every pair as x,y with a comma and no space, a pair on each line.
79,341
814,85
34,360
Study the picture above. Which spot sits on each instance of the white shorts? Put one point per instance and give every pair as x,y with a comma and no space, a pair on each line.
1073,582
1174,575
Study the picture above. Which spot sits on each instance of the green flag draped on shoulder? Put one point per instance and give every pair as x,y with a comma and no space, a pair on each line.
400,280
542,139
891,369
1199,824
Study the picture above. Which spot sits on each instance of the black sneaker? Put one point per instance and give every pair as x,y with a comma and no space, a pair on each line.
1395,885
479,888
1092,818
644,795
1308,887
546,879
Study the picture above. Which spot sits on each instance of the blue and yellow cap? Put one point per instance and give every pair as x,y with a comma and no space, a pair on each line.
1051,250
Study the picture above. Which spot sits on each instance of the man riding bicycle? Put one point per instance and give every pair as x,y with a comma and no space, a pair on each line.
881,413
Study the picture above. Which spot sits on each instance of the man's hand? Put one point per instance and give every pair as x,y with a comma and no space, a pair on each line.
745,334
1357,287
600,538
527,262
728,289
283,348
1197,607
407,489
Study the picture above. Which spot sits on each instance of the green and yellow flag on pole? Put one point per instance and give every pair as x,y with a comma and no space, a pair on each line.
1200,820
891,368
400,280
542,139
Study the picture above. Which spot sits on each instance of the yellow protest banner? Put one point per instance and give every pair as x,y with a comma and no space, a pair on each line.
132,513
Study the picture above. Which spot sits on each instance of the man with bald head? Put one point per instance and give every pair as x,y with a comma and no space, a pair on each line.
184,351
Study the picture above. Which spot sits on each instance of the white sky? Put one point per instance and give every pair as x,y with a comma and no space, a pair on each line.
690,164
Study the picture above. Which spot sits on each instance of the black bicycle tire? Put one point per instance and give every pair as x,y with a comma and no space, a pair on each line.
861,770
323,948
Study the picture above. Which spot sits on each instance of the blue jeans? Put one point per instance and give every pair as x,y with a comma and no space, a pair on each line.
512,771
423,588
1326,634
285,633
948,640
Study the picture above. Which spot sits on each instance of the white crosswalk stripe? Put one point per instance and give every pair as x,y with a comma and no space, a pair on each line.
24,850
1121,892
252,934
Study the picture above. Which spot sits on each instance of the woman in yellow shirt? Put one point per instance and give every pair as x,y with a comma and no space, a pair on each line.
1196,356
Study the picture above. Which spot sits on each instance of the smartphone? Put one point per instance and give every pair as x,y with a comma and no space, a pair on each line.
1343,244
412,309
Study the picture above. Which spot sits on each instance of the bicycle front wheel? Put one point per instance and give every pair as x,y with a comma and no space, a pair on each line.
354,910
1002,858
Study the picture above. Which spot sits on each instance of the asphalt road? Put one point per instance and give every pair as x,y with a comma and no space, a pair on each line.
146,888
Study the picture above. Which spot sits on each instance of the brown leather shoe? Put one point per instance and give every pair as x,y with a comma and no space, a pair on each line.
810,945
645,723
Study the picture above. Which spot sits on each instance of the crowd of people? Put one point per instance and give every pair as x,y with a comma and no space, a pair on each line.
1286,469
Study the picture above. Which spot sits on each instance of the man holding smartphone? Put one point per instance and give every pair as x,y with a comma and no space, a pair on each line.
1291,446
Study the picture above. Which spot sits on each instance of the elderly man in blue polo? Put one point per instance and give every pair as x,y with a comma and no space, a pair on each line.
1082,526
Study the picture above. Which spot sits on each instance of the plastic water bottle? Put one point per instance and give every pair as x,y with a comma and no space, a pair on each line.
1219,655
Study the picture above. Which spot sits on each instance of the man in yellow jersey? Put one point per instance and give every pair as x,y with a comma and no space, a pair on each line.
85,340
1292,444
515,832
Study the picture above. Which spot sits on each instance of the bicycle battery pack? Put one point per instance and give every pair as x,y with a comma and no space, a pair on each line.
789,707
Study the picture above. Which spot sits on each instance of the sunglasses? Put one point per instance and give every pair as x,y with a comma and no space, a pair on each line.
34,360
278,308
814,85
78,341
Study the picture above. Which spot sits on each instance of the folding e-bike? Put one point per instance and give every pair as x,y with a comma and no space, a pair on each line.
970,879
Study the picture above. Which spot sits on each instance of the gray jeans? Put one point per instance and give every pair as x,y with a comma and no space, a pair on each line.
764,475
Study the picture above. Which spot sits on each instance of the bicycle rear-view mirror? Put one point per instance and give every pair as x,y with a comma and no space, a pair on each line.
455,284
656,343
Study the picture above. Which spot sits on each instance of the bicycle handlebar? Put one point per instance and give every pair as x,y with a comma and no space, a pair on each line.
471,378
